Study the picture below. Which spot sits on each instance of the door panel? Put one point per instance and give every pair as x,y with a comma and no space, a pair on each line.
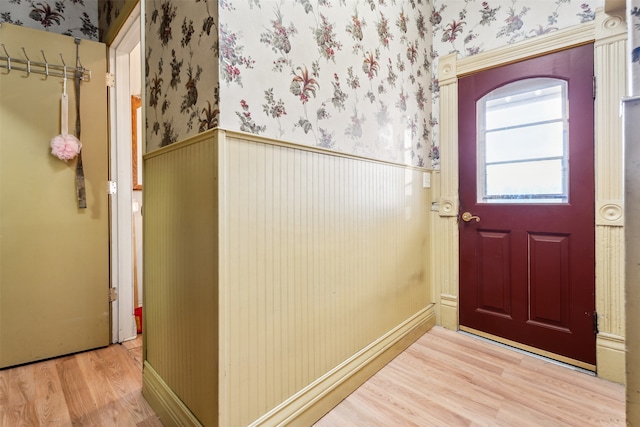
527,267
495,272
549,281
54,257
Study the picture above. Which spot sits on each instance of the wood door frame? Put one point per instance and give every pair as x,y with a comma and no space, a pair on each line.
608,33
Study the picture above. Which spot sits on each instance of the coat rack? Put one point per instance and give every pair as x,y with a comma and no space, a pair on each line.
10,63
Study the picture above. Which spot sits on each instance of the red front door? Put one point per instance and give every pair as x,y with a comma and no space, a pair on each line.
526,156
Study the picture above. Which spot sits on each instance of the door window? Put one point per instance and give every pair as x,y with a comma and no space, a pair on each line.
522,143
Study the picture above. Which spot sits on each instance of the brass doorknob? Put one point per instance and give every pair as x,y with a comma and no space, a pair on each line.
467,216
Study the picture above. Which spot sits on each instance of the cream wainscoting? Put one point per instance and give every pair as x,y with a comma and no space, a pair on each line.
608,33
277,277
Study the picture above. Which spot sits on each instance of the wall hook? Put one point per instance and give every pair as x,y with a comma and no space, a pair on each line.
28,62
64,65
46,63
8,57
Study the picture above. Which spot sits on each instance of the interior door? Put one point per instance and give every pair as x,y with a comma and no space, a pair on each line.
527,230
54,256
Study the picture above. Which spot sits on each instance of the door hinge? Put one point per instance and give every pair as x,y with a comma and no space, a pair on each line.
594,87
113,294
112,187
110,80
595,323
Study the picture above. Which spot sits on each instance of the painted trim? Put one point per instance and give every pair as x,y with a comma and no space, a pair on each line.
449,311
534,47
224,329
611,81
610,213
315,400
614,5
164,401
275,142
123,325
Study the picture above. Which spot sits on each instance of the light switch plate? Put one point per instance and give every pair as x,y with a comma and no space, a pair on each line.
426,179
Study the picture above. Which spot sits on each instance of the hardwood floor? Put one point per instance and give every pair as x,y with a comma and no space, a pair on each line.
450,379
443,379
94,388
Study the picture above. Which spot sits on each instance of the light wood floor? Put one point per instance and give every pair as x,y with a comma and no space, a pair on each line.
95,388
444,379
450,379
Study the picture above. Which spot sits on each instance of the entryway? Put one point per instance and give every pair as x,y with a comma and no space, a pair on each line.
527,231
126,119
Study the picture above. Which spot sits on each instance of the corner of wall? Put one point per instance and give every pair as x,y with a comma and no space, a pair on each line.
310,404
164,401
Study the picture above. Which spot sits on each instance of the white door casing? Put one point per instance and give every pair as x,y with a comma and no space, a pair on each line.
125,42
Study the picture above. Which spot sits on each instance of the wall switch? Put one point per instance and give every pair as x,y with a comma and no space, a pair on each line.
426,179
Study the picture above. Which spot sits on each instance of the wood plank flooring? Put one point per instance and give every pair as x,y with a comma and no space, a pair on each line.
94,388
450,379
443,379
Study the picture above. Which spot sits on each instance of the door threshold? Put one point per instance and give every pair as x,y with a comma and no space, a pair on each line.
547,356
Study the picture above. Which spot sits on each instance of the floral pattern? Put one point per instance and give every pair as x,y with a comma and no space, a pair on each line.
356,76
182,76
325,73
76,18
329,73
108,14
469,27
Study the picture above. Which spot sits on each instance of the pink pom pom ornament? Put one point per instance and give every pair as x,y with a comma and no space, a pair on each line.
65,147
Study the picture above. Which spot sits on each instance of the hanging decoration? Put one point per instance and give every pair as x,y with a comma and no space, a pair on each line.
80,185
65,146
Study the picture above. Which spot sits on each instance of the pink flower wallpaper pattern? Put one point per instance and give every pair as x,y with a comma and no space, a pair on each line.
347,75
356,76
76,18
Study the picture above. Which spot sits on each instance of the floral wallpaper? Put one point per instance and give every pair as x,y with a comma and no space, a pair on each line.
356,76
469,27
349,75
181,69
76,18
108,13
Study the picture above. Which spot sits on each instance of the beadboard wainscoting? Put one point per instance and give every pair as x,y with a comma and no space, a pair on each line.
277,277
